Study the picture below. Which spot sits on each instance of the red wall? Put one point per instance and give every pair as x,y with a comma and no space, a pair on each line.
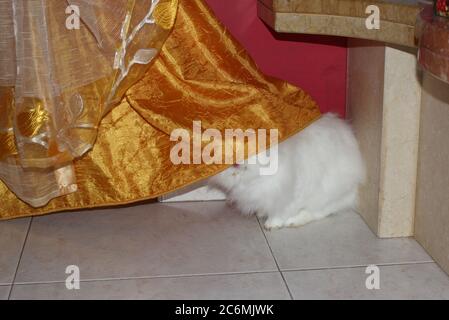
315,63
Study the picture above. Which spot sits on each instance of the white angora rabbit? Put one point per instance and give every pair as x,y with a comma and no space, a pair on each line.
319,171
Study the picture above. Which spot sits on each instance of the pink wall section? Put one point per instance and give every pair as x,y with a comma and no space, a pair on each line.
315,63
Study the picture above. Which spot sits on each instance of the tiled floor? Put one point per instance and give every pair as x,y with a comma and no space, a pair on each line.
204,250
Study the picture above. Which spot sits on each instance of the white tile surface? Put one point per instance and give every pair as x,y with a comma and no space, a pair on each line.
12,237
416,281
4,292
203,250
144,241
244,287
339,241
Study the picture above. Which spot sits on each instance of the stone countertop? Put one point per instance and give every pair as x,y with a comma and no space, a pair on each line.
343,18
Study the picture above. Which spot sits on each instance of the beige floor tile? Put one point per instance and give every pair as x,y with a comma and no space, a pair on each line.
415,281
12,237
4,292
147,240
339,241
238,286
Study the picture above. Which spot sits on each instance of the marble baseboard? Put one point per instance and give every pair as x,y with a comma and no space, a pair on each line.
432,202
384,99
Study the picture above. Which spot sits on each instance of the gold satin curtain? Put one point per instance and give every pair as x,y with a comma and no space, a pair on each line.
203,74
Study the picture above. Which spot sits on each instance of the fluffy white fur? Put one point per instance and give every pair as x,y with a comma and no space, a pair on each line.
319,172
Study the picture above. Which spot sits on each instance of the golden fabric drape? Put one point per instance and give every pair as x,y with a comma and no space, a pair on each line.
201,74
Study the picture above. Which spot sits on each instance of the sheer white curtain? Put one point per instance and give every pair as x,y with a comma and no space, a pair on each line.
58,79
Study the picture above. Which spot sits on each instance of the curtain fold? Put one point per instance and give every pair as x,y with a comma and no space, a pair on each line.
201,74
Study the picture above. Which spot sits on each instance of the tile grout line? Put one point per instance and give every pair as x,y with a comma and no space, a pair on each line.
152,277
386,264
217,274
274,258
20,258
